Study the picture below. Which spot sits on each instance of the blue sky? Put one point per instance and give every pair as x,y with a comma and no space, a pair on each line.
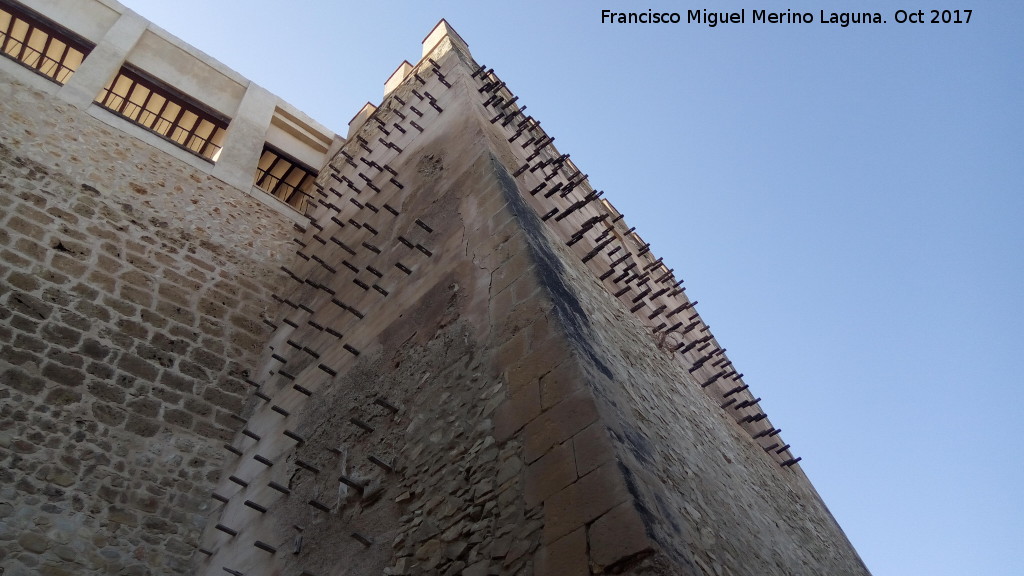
845,203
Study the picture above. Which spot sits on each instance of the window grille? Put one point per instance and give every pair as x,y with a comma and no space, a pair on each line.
176,117
39,44
284,177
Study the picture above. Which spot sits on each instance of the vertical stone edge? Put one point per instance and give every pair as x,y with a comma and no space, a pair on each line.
591,520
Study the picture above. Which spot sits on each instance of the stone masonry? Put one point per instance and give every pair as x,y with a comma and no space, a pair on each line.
455,384
131,293
465,363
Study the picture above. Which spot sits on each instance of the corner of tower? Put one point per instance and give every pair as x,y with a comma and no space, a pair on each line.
439,33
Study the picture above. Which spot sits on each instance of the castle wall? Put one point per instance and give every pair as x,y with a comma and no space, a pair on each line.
490,406
462,361
711,499
386,368
698,481
399,421
132,288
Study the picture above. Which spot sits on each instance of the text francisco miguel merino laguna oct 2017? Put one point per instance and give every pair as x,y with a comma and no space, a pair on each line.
713,18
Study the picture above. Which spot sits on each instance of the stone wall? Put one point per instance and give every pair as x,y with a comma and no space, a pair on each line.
696,479
399,421
452,389
132,289
375,434
710,498
472,365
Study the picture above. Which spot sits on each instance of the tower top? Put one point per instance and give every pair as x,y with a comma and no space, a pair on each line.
438,33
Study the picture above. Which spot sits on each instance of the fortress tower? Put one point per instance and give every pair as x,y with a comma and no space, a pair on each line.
235,342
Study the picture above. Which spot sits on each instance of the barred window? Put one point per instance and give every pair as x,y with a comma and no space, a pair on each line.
39,44
284,177
149,103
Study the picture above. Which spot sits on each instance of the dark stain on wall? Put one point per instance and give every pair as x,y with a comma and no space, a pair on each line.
550,273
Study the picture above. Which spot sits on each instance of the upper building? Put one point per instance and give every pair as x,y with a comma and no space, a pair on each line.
121,69
234,342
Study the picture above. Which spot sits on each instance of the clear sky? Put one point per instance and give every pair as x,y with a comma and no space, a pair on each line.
847,204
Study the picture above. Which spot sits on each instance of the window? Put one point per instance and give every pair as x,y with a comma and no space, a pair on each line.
284,177
176,117
40,45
